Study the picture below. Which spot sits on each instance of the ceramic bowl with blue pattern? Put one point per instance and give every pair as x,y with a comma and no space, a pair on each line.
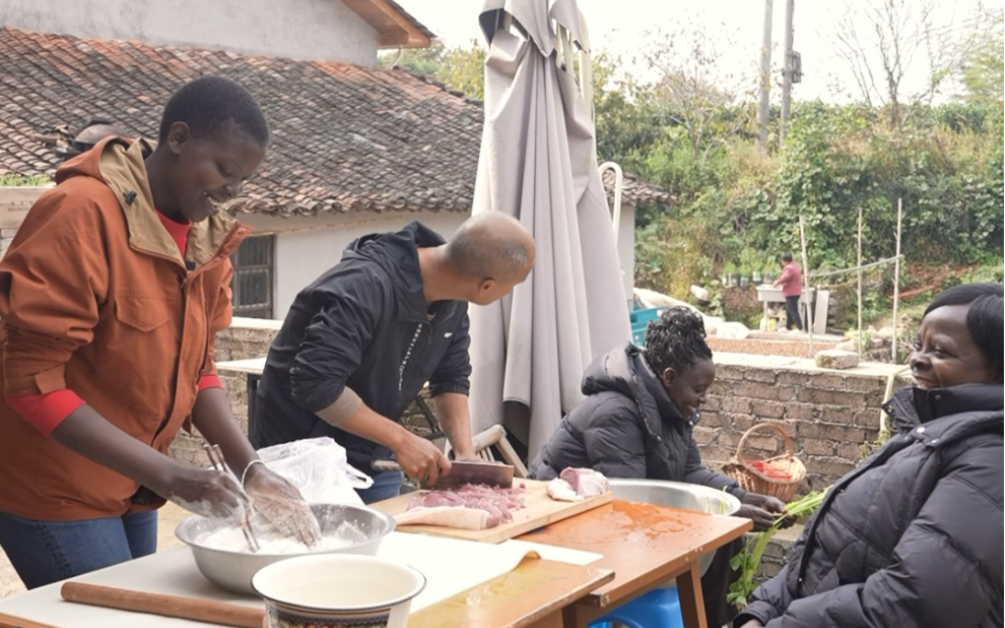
337,591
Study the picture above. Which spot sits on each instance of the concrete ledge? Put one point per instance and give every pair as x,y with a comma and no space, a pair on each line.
239,322
804,365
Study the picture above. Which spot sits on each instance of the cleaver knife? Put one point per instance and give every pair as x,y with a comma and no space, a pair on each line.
475,472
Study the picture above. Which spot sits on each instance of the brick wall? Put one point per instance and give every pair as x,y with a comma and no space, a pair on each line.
14,204
828,414
245,339
740,303
6,235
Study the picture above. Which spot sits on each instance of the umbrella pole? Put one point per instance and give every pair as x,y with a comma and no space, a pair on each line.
806,281
896,278
861,335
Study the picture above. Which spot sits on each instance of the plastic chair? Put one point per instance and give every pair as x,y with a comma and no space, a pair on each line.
659,608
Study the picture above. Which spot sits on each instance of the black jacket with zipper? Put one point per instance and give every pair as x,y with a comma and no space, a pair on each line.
912,537
627,427
363,324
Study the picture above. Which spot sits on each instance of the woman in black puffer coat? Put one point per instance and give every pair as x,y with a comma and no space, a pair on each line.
637,422
912,538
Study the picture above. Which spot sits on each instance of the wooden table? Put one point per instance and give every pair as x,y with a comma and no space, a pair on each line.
534,595
642,545
645,545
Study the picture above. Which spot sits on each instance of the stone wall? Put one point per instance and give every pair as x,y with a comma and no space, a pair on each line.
14,205
740,304
6,236
245,339
829,415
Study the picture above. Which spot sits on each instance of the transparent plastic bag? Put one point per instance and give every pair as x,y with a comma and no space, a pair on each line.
319,468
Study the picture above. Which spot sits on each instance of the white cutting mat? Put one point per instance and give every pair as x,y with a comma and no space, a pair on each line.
450,566
454,565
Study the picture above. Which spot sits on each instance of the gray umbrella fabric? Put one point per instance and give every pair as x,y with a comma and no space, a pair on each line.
538,163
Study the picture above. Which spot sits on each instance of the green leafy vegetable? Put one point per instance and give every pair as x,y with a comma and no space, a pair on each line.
748,559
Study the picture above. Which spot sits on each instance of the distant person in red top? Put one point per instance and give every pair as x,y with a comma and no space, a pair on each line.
791,282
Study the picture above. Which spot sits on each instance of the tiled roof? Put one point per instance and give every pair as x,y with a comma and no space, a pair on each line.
344,137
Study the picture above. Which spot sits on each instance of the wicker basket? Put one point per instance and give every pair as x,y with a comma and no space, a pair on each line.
751,479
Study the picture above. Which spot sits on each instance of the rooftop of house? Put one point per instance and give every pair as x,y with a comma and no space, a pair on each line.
395,27
345,138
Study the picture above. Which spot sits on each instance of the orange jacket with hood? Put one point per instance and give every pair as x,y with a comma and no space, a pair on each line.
96,298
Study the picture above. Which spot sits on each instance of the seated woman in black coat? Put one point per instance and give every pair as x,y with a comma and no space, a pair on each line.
637,421
913,536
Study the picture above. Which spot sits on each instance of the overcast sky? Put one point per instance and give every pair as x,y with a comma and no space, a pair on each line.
623,26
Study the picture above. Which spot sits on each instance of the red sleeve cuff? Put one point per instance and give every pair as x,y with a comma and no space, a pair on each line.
46,410
209,380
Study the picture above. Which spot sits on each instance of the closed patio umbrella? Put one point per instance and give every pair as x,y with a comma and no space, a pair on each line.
538,163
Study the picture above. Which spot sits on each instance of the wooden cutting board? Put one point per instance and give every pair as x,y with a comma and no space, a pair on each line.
540,511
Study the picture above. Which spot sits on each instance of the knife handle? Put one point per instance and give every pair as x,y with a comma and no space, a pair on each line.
385,465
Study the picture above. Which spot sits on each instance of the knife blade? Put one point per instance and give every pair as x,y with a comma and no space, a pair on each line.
475,472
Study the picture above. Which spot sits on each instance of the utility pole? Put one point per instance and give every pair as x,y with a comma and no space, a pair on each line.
762,108
787,72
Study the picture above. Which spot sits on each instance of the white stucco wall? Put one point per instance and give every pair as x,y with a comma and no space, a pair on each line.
300,29
306,247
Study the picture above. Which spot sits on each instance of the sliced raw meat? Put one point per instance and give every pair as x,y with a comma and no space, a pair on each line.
560,490
497,503
586,482
448,517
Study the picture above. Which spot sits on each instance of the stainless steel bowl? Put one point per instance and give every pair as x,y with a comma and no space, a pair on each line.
232,571
679,495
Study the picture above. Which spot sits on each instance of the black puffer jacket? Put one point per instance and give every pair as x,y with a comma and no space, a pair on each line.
627,427
913,536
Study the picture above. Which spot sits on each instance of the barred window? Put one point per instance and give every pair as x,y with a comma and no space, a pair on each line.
254,267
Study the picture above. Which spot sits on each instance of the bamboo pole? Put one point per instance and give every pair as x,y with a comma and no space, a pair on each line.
861,335
896,277
806,282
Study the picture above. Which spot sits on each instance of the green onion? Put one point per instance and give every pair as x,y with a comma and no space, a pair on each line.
748,559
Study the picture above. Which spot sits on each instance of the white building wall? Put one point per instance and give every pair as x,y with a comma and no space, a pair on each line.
299,29
308,246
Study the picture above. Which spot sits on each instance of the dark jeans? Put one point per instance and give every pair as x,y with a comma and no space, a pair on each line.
792,313
386,484
43,552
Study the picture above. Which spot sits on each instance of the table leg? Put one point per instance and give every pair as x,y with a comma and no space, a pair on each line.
692,604
580,615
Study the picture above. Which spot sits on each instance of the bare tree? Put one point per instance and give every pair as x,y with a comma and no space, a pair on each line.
882,40
693,84
981,74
